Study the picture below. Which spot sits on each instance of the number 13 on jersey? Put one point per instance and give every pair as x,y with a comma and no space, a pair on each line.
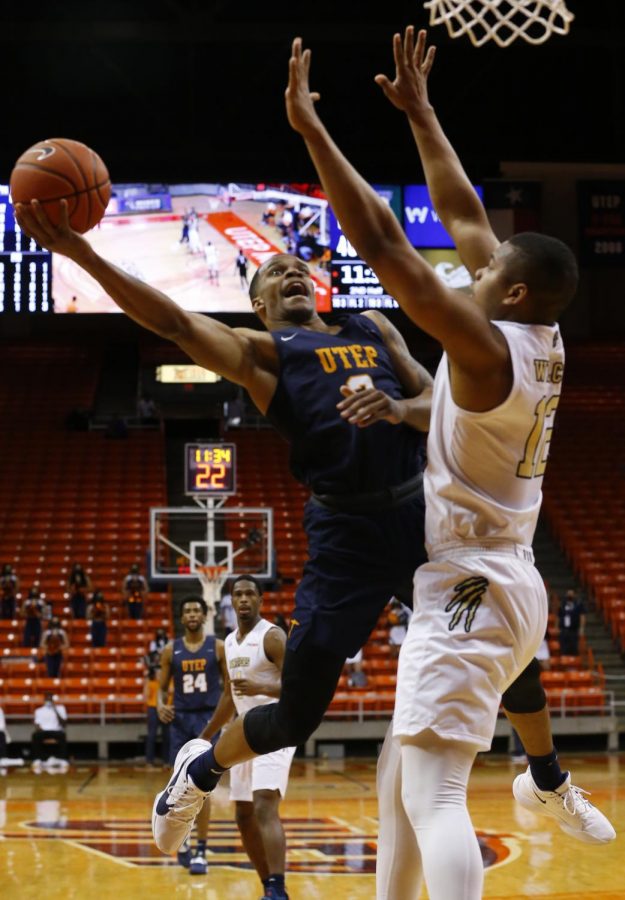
534,461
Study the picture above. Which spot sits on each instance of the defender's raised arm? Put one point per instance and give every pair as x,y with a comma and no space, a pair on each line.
454,199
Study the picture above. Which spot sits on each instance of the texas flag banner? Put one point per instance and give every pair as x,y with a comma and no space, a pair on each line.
513,206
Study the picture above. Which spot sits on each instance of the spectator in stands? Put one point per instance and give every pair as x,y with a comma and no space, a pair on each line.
78,586
97,613
134,590
54,641
227,615
153,721
572,622
49,735
158,642
9,586
32,611
398,618
356,675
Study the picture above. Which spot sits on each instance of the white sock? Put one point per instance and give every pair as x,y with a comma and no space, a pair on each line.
399,874
434,778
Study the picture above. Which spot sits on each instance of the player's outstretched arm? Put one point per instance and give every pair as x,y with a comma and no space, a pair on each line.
477,349
232,352
455,201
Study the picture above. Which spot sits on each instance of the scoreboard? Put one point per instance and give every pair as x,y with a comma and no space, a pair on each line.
355,285
25,269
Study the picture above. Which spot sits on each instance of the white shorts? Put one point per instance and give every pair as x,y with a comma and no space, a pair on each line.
269,772
478,621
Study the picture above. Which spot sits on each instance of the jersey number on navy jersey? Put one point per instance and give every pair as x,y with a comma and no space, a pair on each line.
192,683
534,462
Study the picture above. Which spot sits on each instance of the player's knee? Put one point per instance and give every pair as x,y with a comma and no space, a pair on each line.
266,805
272,727
243,813
526,694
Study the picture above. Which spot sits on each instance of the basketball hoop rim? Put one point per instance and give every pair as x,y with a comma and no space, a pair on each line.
211,573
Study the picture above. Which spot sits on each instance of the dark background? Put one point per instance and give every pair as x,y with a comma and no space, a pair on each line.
168,90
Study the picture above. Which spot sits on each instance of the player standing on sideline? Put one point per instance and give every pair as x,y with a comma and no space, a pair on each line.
254,658
480,605
195,663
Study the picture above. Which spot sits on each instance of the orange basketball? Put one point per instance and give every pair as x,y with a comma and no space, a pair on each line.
59,169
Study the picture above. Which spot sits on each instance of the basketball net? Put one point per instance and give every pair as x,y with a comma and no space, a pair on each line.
212,579
502,21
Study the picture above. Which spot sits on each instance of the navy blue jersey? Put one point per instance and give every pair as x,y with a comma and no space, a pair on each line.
196,676
329,455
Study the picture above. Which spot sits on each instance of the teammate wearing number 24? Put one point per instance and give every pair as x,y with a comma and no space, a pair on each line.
196,663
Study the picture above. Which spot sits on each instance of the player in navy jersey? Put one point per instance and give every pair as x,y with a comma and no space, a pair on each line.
195,663
350,399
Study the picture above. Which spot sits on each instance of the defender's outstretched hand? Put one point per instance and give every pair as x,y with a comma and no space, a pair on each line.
300,100
408,91
32,218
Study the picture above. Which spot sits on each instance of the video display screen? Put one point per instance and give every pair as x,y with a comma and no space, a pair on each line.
422,226
200,243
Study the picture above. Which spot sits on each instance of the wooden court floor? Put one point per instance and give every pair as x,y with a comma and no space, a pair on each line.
87,834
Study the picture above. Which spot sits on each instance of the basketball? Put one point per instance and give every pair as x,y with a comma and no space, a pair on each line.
60,168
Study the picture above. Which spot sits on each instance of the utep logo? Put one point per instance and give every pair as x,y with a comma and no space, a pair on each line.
468,597
351,356
320,846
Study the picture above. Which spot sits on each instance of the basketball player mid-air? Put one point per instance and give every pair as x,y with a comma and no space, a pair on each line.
480,606
254,656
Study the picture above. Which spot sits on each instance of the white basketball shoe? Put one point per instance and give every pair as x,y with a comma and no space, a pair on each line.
568,805
176,808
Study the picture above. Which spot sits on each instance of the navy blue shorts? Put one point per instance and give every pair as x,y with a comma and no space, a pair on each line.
185,727
357,562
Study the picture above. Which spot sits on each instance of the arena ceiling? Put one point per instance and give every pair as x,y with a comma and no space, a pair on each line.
168,90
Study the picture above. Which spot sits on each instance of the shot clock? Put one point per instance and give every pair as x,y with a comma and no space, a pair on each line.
210,469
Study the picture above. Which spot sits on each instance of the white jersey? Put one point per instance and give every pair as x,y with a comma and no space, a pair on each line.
485,469
247,659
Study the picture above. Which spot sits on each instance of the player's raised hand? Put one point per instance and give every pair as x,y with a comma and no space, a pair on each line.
33,220
413,64
300,100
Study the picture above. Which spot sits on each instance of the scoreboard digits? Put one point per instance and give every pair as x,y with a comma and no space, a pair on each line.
210,469
25,269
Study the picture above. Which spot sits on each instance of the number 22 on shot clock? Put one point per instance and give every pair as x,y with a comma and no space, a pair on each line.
210,469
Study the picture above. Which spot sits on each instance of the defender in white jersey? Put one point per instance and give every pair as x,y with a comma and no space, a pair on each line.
480,605
254,655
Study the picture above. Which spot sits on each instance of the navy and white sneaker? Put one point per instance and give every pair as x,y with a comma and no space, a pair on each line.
176,808
184,855
198,864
